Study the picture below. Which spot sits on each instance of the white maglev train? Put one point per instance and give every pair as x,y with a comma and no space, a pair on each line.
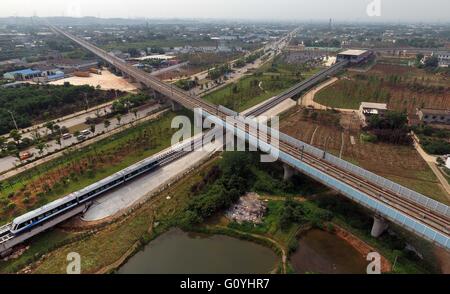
47,212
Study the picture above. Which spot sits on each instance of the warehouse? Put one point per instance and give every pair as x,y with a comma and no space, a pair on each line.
22,75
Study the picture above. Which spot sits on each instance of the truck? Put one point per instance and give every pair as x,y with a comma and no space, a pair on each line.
95,71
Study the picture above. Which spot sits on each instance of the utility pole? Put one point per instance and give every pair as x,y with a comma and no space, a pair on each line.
14,120
86,100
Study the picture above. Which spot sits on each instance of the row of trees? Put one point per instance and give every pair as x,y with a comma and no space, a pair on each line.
33,103
218,71
241,62
391,128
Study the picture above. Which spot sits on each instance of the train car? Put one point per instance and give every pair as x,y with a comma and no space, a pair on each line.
49,211
46,212
100,187
139,168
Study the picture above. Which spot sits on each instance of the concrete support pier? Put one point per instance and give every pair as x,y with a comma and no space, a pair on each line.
288,172
379,226
176,106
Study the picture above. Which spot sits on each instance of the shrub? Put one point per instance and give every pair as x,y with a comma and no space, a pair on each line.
369,138
292,245
11,206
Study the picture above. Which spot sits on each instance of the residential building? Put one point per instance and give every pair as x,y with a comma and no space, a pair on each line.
368,109
433,116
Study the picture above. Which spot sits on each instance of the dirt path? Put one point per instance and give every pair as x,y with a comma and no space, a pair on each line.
431,161
313,135
307,100
361,246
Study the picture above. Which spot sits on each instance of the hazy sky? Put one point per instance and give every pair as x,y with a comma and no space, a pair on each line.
352,10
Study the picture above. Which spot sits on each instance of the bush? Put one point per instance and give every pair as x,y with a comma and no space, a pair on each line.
369,138
11,206
436,147
292,245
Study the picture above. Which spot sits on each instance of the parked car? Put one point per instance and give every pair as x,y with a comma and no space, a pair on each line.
66,136
25,155
81,138
85,132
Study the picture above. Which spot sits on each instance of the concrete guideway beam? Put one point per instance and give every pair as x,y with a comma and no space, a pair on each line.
379,226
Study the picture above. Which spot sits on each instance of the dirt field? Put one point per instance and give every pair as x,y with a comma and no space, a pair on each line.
401,164
106,81
402,88
180,73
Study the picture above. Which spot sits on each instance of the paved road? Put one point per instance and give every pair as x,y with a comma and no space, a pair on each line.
10,162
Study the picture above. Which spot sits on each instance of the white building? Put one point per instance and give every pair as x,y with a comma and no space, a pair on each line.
368,109
444,59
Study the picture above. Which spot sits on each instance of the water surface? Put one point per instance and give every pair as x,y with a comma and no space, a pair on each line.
177,252
326,253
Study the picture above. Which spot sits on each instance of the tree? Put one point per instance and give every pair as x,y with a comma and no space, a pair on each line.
50,126
119,118
432,62
135,112
41,146
2,143
16,136
106,124
92,127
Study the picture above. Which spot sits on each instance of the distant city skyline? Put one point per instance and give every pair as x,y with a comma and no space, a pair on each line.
289,10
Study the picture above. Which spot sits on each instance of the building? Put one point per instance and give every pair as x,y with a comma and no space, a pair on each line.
368,109
354,56
50,75
22,75
434,116
71,65
444,59
15,84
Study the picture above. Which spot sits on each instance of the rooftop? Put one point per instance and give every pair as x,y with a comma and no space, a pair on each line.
353,52
27,71
435,111
379,106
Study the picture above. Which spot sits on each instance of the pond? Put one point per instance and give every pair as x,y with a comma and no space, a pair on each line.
178,252
325,253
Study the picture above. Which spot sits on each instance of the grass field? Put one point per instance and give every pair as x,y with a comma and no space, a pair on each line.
268,81
247,92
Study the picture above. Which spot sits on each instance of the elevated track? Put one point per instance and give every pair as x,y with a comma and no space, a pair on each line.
411,210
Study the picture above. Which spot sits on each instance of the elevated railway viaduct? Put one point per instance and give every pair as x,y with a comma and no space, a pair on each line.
417,213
